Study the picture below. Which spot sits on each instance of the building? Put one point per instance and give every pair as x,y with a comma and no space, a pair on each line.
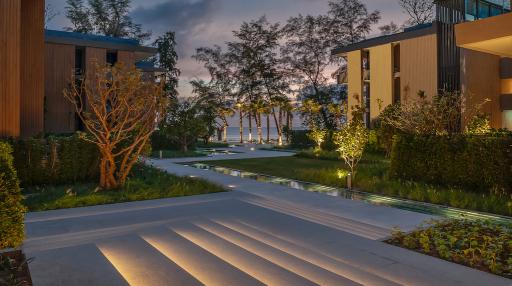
467,48
68,53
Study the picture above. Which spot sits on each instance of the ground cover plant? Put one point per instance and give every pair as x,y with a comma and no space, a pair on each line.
144,183
478,244
373,176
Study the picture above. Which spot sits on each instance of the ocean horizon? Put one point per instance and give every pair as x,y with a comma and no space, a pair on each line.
234,133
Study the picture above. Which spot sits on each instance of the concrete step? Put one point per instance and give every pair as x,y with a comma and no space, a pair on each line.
141,264
248,262
203,265
327,219
290,262
342,268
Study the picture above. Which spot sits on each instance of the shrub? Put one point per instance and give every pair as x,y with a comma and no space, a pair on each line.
55,160
473,162
299,139
478,244
11,208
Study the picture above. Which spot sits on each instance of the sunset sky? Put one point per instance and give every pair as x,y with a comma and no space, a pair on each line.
207,22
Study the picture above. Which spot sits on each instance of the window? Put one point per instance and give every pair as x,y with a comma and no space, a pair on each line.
79,61
112,57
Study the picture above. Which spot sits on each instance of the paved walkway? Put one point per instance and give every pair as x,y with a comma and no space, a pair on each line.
254,235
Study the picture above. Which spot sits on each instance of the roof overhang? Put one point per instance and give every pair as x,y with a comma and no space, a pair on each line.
98,41
413,32
491,35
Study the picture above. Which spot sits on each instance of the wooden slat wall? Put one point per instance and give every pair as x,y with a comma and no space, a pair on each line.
381,78
59,64
32,67
92,56
355,84
480,79
10,30
418,66
125,57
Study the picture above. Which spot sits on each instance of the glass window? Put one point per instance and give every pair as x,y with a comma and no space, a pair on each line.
471,7
495,11
483,10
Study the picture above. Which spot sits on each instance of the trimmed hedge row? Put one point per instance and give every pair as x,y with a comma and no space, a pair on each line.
55,160
11,208
475,163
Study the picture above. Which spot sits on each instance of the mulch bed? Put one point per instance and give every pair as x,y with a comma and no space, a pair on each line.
18,265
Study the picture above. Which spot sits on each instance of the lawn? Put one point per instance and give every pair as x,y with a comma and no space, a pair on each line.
372,176
146,183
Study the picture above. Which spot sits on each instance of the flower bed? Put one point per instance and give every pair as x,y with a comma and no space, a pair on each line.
477,244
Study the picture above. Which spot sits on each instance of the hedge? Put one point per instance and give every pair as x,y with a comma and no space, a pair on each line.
476,163
12,210
299,140
55,160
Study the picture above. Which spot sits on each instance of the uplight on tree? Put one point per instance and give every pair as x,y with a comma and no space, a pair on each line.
120,111
317,135
350,142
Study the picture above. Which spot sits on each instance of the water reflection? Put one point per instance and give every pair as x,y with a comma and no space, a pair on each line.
414,206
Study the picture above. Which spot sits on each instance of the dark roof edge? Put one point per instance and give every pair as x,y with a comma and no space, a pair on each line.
96,41
409,33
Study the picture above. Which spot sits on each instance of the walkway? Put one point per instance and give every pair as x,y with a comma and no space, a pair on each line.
256,234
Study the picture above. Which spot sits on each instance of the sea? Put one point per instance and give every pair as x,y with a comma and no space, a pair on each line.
234,133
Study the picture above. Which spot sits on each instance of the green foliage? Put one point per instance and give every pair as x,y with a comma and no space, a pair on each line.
372,177
184,123
12,210
55,160
478,244
299,139
318,136
144,183
476,163
11,271
350,141
319,154
479,125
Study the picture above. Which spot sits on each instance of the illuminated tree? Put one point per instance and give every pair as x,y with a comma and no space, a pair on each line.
120,110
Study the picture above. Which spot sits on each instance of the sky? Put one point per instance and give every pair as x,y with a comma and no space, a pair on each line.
200,23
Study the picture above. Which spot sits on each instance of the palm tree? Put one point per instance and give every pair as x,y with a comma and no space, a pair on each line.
259,107
239,106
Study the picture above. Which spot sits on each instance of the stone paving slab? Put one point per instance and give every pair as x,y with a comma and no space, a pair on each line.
256,234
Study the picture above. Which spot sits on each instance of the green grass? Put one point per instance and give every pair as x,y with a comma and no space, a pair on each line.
146,183
372,176
170,154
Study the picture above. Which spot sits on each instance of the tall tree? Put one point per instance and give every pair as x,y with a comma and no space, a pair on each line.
219,94
255,51
167,59
122,111
419,11
49,14
307,50
106,17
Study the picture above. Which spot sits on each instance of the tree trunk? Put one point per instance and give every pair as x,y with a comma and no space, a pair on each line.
184,145
225,133
260,131
250,127
289,120
268,127
241,126
278,126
